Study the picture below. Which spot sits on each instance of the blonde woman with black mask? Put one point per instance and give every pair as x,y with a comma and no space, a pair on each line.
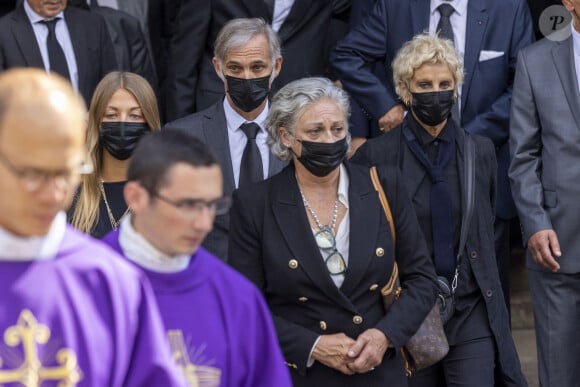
123,109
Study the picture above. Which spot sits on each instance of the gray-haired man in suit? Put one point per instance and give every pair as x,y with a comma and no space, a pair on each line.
545,178
247,59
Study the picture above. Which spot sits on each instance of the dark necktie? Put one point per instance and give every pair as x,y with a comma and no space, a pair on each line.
446,31
251,169
444,26
440,201
55,53
270,8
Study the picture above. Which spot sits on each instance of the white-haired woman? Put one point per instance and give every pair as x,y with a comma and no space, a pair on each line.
315,240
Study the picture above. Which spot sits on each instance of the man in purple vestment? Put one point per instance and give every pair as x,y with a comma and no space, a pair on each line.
71,311
218,325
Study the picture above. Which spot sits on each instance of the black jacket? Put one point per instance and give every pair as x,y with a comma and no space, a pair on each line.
271,242
391,149
91,43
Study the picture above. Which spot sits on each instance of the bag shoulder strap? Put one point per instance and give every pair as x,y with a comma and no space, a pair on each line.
469,192
383,199
393,287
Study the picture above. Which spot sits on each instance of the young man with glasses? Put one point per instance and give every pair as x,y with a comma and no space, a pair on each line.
71,312
217,322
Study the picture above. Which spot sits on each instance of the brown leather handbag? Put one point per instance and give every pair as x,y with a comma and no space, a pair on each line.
429,344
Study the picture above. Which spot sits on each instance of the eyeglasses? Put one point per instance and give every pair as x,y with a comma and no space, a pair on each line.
194,207
326,241
32,179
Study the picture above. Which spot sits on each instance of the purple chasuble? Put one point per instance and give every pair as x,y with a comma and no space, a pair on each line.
84,318
219,327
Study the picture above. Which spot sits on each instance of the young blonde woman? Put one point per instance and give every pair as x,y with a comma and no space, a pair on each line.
123,109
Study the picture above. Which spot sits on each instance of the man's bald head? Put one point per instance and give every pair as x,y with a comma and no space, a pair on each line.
35,95
42,133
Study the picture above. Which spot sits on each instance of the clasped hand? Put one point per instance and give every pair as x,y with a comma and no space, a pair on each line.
350,356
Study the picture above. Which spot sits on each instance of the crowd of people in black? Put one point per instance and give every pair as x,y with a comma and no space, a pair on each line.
174,111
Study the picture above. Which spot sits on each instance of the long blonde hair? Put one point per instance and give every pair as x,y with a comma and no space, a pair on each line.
86,209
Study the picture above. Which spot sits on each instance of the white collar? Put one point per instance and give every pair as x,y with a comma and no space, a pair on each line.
343,183
45,247
234,120
139,250
36,18
575,39
460,6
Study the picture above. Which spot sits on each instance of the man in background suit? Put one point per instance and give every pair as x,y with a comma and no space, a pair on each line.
545,142
82,36
247,60
131,49
302,25
488,35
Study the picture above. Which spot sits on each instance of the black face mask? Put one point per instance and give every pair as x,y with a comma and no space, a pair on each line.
120,138
321,158
248,94
434,107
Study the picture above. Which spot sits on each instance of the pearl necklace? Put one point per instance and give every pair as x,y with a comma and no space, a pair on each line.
315,217
114,223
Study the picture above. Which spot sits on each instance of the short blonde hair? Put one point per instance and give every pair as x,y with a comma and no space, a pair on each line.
422,49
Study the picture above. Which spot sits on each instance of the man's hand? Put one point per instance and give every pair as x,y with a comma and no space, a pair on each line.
331,350
545,249
392,118
368,351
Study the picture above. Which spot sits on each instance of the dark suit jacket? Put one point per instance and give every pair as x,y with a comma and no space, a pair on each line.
270,230
131,49
192,83
211,127
503,26
91,42
391,149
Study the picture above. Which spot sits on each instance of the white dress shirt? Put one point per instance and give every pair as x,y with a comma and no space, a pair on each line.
237,138
281,10
21,249
458,21
342,239
576,47
342,234
63,38
106,3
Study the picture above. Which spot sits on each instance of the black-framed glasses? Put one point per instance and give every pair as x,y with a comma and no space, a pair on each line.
325,240
195,207
32,179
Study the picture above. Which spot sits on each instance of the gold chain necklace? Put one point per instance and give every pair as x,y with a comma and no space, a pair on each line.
114,223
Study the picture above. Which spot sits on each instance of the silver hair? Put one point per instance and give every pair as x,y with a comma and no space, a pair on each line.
292,100
238,32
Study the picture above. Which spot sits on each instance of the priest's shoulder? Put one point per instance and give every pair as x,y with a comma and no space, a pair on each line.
225,276
80,252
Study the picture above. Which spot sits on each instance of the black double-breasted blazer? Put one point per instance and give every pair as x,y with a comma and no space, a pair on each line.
271,242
